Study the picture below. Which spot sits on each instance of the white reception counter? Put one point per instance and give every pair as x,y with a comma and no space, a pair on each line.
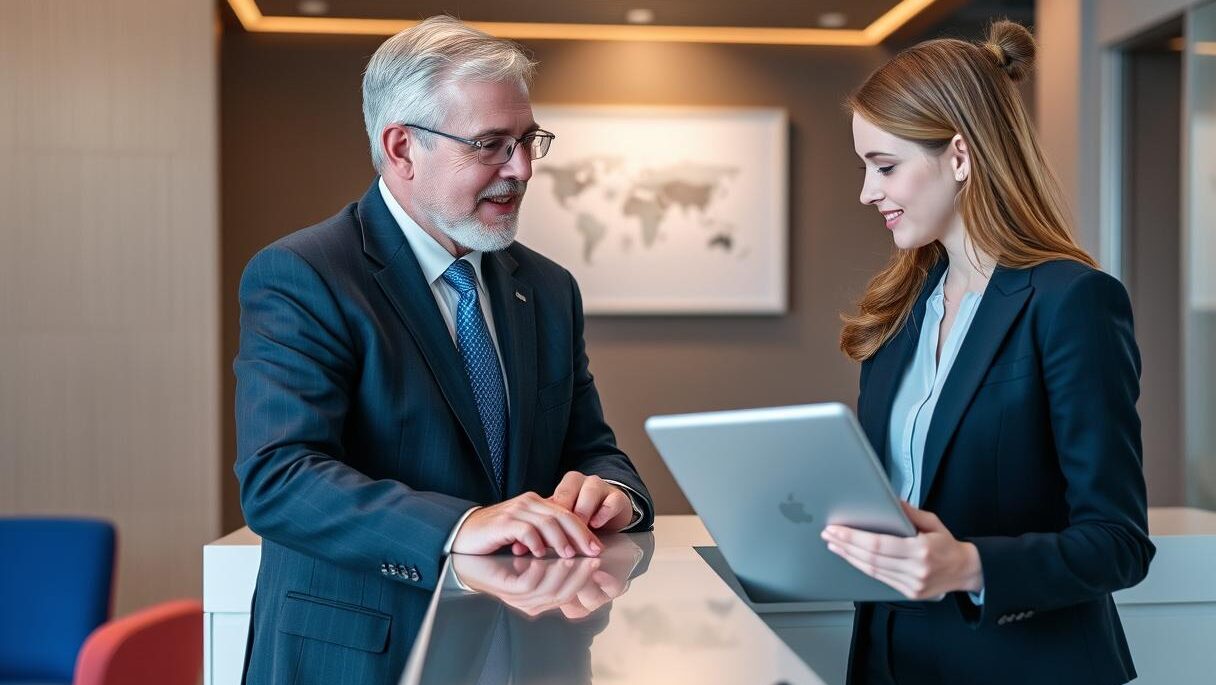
1170,618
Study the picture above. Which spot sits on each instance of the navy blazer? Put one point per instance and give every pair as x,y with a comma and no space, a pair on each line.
1034,455
359,445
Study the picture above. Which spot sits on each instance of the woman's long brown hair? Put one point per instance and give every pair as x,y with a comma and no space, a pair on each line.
1010,204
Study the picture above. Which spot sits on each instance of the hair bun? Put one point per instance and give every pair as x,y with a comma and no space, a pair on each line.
1013,47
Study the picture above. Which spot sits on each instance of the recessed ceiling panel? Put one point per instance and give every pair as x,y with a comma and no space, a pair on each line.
850,14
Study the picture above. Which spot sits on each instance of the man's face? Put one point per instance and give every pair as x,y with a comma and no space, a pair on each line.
474,204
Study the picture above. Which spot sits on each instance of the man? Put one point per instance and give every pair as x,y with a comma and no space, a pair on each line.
410,381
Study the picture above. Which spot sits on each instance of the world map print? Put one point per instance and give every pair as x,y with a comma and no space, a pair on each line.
663,210
643,202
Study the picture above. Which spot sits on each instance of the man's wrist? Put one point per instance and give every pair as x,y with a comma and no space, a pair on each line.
975,569
634,501
447,546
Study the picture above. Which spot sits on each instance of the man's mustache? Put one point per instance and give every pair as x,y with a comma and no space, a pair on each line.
504,187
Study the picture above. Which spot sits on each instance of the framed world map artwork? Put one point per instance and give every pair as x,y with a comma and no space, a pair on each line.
660,210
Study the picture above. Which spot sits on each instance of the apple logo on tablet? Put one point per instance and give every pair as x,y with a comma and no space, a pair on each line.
793,510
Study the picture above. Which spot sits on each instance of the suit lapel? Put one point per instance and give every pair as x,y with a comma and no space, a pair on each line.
402,281
1004,299
890,364
515,322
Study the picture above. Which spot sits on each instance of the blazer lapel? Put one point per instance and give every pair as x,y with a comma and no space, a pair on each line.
515,322
1004,299
890,363
402,281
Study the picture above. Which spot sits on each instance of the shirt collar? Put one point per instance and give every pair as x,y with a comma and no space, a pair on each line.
432,257
937,299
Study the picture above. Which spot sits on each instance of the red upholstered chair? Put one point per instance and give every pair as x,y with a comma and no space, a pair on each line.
159,645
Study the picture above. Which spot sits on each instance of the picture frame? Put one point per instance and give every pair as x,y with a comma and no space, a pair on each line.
665,210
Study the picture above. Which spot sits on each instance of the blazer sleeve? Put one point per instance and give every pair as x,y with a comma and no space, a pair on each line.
1091,373
590,445
294,375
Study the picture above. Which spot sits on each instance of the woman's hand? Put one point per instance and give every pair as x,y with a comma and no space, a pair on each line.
926,566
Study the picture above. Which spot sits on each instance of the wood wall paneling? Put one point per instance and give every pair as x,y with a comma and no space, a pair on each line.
109,293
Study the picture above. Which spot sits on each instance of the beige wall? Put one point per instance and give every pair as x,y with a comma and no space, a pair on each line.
1059,29
109,347
294,152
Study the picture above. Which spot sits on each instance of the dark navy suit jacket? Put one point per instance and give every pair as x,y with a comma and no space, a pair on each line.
359,444
1034,455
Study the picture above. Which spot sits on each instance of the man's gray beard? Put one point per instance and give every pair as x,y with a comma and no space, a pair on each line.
471,233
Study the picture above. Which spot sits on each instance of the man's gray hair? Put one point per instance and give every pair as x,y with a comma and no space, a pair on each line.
403,78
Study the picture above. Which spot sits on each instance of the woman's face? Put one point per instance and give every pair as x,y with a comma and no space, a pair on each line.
914,189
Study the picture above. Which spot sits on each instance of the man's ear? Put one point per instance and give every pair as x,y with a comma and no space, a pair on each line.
960,158
397,143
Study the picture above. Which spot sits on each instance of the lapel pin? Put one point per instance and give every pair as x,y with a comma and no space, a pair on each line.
520,296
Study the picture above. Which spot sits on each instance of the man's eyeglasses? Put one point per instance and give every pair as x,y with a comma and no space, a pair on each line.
497,150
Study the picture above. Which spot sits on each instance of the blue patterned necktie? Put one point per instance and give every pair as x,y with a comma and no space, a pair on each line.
480,362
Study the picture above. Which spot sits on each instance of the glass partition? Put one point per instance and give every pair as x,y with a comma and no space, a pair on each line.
1199,249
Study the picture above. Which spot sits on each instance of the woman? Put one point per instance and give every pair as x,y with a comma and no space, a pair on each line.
999,379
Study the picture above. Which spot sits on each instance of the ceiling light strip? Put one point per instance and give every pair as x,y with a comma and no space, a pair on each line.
894,18
247,13
253,20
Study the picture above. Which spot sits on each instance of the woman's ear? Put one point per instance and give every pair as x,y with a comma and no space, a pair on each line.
960,158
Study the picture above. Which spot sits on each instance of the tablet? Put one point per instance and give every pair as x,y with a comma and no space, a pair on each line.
765,482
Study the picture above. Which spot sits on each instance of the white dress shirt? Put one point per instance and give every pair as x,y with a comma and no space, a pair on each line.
919,392
434,259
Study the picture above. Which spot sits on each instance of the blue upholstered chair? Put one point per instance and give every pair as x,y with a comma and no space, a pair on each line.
55,580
